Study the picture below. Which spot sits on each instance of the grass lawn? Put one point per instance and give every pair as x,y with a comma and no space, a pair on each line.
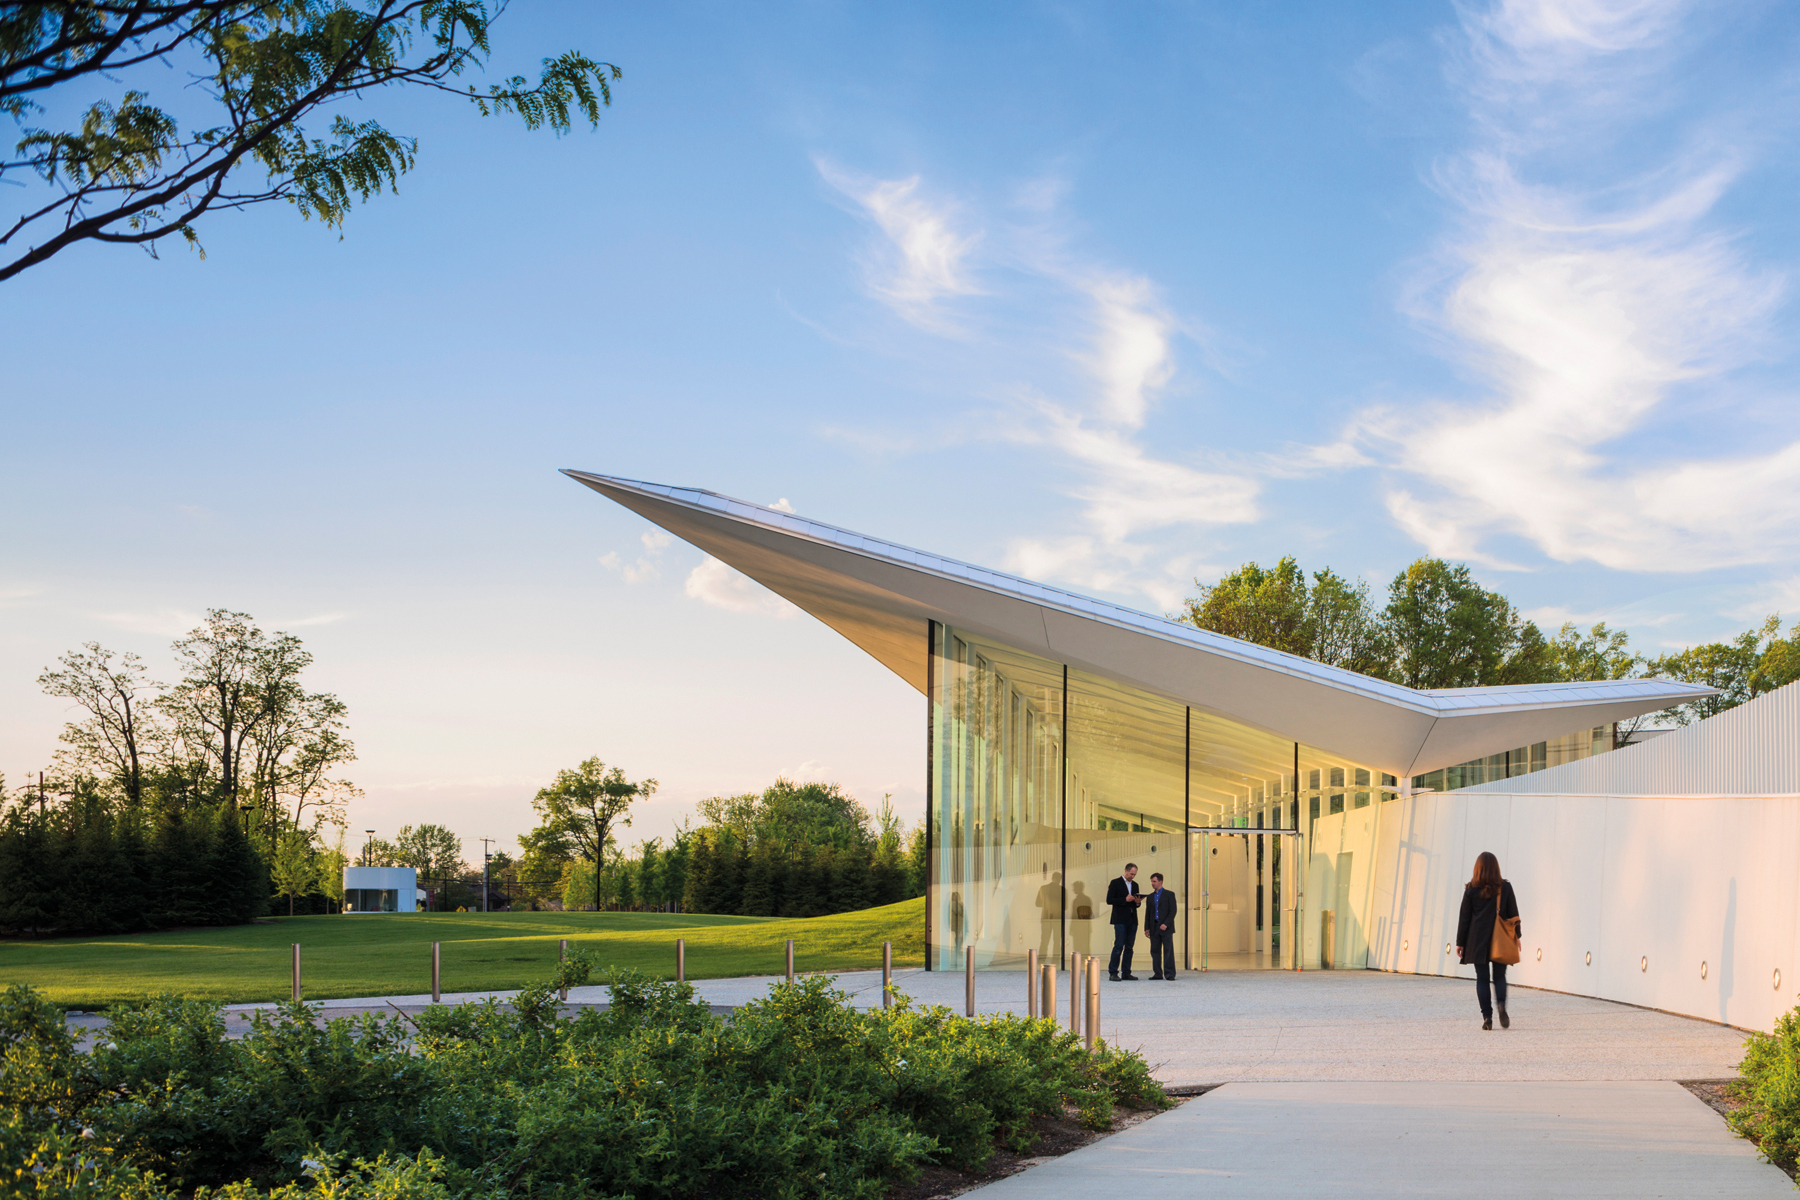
380,954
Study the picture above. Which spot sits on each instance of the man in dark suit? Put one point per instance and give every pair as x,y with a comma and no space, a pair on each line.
1159,923
1122,894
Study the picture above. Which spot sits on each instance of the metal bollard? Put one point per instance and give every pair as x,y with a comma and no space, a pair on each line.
1031,982
437,972
790,960
1093,1003
1077,962
680,960
1048,999
887,974
562,956
969,980
296,970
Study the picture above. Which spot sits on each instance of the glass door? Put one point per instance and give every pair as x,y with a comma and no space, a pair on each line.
1245,909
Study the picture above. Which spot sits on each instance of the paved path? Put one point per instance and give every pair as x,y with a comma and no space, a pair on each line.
1250,1141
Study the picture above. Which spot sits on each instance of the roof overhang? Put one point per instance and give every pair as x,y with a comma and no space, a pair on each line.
881,596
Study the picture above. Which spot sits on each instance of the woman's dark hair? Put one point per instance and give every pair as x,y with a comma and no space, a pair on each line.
1487,874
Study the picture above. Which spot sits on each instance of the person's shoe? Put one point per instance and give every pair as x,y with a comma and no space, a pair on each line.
1505,1021
1129,978
1487,1022
1113,975
1156,977
1170,978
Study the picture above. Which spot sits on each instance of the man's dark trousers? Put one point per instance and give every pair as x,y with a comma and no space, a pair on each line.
1124,941
1162,953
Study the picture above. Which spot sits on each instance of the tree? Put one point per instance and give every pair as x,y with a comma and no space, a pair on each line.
429,849
108,688
270,71
292,869
1268,607
1345,628
1331,621
1737,668
579,810
1450,632
228,668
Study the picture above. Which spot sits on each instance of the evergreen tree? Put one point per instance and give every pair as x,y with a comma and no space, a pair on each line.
29,897
696,891
131,887
181,867
762,890
730,866
91,865
851,886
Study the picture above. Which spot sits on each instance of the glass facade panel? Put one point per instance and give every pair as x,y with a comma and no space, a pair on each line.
371,900
996,804
1127,791
1583,743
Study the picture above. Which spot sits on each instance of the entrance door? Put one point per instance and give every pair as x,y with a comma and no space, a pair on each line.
1243,915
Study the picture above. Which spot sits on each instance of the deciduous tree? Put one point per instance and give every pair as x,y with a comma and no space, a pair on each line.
268,80
579,811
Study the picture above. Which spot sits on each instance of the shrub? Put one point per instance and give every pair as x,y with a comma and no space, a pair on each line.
795,1095
1769,1085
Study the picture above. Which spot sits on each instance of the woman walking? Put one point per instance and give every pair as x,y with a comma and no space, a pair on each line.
1487,897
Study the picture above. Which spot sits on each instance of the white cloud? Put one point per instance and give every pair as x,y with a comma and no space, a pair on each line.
644,568
714,583
1114,332
923,258
1591,312
782,505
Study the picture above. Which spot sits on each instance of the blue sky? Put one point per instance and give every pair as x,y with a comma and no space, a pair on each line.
1111,296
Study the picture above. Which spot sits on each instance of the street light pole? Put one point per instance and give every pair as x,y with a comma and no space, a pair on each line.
368,845
485,856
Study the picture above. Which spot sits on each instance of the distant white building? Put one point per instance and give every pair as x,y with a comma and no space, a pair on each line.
380,889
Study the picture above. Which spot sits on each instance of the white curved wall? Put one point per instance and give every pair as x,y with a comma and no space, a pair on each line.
1650,887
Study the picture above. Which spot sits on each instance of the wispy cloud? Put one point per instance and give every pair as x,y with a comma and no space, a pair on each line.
1114,337
922,256
1591,308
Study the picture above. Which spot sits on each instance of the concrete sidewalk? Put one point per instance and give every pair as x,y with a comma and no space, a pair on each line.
1489,1140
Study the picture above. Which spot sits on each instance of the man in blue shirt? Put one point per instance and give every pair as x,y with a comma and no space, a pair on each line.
1159,923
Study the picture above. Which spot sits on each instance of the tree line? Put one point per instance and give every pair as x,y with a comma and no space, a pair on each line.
790,850
231,768
1442,629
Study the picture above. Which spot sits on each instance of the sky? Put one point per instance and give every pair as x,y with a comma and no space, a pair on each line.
1115,297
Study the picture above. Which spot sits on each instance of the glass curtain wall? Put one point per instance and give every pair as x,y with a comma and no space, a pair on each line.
1127,803
996,804
1046,780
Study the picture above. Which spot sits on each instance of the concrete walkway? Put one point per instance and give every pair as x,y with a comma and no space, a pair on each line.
1487,1140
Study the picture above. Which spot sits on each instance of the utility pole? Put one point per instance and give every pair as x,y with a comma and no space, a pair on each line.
485,856
368,846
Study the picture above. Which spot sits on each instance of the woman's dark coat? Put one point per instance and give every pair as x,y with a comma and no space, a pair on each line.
1475,927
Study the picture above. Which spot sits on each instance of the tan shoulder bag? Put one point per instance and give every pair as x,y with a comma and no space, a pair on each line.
1505,946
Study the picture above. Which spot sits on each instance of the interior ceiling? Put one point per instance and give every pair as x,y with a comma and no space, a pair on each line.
881,597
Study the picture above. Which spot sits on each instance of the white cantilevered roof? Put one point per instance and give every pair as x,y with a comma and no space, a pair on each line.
881,595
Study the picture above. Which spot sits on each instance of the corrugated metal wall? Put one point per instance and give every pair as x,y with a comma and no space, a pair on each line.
1751,750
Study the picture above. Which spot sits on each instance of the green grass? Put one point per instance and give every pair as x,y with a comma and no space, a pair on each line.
390,954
